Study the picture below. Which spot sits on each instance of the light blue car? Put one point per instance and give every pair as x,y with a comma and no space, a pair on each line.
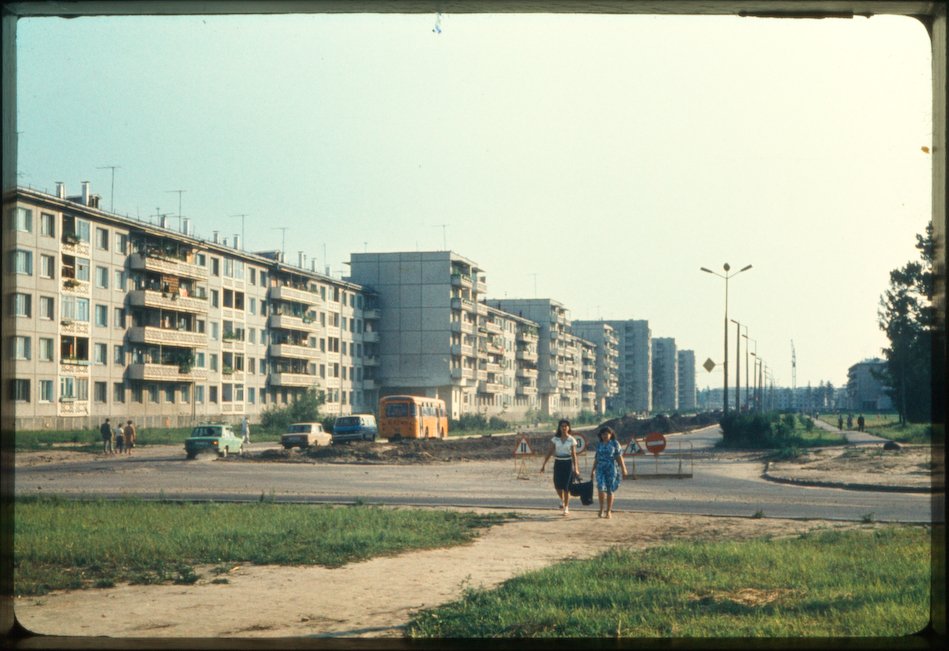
213,437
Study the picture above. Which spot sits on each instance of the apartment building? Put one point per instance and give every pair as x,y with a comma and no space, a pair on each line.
866,391
634,360
606,372
437,336
686,371
665,375
114,317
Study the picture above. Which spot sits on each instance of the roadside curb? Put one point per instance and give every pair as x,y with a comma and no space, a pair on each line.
766,475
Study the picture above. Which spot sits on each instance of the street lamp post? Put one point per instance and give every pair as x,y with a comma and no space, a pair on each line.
738,336
748,342
726,276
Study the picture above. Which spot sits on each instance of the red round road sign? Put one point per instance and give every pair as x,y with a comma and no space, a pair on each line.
581,442
655,442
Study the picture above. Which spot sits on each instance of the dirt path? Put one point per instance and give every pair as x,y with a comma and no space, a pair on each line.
373,598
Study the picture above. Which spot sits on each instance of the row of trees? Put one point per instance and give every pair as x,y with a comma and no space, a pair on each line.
908,317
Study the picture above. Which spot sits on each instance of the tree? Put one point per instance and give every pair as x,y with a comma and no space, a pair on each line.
305,409
908,318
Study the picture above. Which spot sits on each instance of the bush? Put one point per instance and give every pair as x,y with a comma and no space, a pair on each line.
768,430
305,409
477,422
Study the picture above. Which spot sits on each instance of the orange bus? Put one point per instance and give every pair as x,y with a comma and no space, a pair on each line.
412,417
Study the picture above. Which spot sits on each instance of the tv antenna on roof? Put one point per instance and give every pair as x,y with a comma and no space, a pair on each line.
179,199
112,195
444,237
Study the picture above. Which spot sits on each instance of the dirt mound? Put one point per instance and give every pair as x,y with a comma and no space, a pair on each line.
475,448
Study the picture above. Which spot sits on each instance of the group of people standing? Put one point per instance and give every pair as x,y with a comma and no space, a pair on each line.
861,423
117,439
608,469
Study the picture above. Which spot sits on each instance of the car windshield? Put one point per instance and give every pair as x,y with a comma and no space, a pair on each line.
296,429
400,409
206,431
347,421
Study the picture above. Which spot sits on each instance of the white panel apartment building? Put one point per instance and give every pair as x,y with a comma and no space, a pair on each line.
665,375
606,377
687,392
438,338
106,316
635,366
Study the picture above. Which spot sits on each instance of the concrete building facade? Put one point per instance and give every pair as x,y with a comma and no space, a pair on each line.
665,375
606,374
687,390
115,317
634,361
866,392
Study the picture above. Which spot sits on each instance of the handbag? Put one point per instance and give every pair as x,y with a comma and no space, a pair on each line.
583,490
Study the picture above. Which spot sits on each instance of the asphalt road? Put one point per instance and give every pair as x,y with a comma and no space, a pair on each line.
716,486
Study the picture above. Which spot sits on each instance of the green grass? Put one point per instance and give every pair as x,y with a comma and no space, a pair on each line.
887,425
870,582
91,441
70,544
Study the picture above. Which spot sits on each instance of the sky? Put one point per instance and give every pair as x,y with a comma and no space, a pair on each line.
600,161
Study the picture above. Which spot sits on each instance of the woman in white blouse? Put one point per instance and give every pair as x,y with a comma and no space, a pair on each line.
563,448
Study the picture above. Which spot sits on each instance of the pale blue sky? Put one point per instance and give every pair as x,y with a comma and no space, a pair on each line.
612,156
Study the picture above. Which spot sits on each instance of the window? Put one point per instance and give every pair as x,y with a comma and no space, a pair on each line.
82,269
215,266
253,306
102,277
47,225
100,355
263,278
251,395
199,359
21,304
75,308
215,298
252,335
185,393
212,394
21,347
20,390
118,355
119,278
118,392
251,364
102,241
118,317
201,259
73,388
82,230
121,244
215,330
136,393
213,364
24,220
98,391
46,349
22,262
153,393
170,394
47,308
102,316
253,276
46,390
47,266
227,393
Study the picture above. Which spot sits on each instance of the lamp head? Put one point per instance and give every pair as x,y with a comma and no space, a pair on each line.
726,266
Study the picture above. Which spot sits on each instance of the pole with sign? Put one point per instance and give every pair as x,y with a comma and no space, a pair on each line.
521,453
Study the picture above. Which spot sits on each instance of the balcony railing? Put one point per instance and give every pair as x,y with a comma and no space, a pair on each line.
167,301
370,360
155,335
370,336
286,293
170,266
165,373
526,372
292,379
371,314
490,387
289,322
293,351
70,327
368,384
525,390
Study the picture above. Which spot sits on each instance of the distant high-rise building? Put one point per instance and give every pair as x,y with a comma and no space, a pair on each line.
687,393
665,375
602,335
865,391
634,362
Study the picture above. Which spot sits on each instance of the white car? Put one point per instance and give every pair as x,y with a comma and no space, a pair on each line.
305,435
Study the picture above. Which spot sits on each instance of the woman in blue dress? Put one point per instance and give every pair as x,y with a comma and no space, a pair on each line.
608,469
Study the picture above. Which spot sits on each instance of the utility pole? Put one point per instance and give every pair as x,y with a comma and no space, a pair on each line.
112,194
179,199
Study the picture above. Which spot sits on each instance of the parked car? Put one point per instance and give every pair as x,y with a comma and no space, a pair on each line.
304,435
213,437
358,427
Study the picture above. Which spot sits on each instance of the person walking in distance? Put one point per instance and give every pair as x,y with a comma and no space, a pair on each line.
108,437
607,464
129,437
245,431
563,448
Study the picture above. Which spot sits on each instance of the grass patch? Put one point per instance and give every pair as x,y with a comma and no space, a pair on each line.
68,544
868,582
91,441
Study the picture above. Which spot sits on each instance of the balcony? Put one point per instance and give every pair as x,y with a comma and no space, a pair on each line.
78,328
528,355
286,293
170,266
525,390
164,373
526,372
292,380
490,387
456,326
492,367
459,280
292,351
482,309
370,337
372,314
232,375
155,335
494,327
482,375
289,322
480,286
370,360
74,286
527,335
368,384
69,366
167,301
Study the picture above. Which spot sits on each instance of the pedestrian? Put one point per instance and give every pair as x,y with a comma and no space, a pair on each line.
245,431
840,421
860,422
849,421
129,437
108,440
607,466
119,440
563,448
